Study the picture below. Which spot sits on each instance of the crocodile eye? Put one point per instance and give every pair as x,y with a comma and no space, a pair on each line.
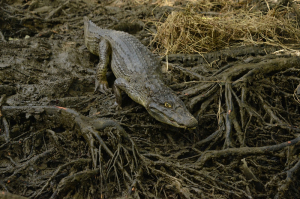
167,105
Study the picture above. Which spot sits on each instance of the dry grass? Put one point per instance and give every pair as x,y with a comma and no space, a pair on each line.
147,2
189,31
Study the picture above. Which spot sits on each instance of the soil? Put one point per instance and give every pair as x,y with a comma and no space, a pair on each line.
60,139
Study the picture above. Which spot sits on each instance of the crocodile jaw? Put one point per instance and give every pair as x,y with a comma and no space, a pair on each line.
180,118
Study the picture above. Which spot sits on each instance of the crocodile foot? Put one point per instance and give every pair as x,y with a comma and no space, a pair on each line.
102,86
116,106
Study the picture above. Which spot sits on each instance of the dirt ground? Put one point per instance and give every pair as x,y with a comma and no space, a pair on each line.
60,139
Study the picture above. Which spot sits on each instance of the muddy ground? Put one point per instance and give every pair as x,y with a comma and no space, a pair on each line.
60,139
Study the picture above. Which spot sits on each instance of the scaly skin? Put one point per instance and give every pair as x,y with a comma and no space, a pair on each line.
138,74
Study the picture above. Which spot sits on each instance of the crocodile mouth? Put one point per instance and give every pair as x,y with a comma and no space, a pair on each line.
190,123
172,122
186,126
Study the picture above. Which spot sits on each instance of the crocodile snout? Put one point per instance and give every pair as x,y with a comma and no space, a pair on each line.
191,123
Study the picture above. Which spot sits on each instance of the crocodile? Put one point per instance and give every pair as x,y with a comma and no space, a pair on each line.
138,74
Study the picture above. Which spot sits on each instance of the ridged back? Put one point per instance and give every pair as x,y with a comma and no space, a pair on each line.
129,55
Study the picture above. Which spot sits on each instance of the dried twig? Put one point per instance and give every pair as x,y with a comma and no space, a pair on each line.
55,11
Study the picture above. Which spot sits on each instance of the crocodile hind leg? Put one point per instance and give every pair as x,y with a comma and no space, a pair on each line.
118,95
119,85
101,69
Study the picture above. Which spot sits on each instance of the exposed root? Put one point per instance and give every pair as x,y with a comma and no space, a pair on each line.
245,100
88,128
58,170
7,195
244,151
291,176
113,155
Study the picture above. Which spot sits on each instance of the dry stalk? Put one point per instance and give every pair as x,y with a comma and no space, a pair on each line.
192,32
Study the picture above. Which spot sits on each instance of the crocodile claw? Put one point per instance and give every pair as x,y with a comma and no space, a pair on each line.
102,86
116,106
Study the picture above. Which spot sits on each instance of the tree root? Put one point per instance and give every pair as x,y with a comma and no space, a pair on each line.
6,195
291,175
246,144
249,98
244,151
58,170
87,127
236,78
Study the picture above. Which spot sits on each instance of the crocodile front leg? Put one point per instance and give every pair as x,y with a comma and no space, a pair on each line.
122,84
101,69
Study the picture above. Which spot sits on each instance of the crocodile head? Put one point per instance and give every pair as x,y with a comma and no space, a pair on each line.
165,106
